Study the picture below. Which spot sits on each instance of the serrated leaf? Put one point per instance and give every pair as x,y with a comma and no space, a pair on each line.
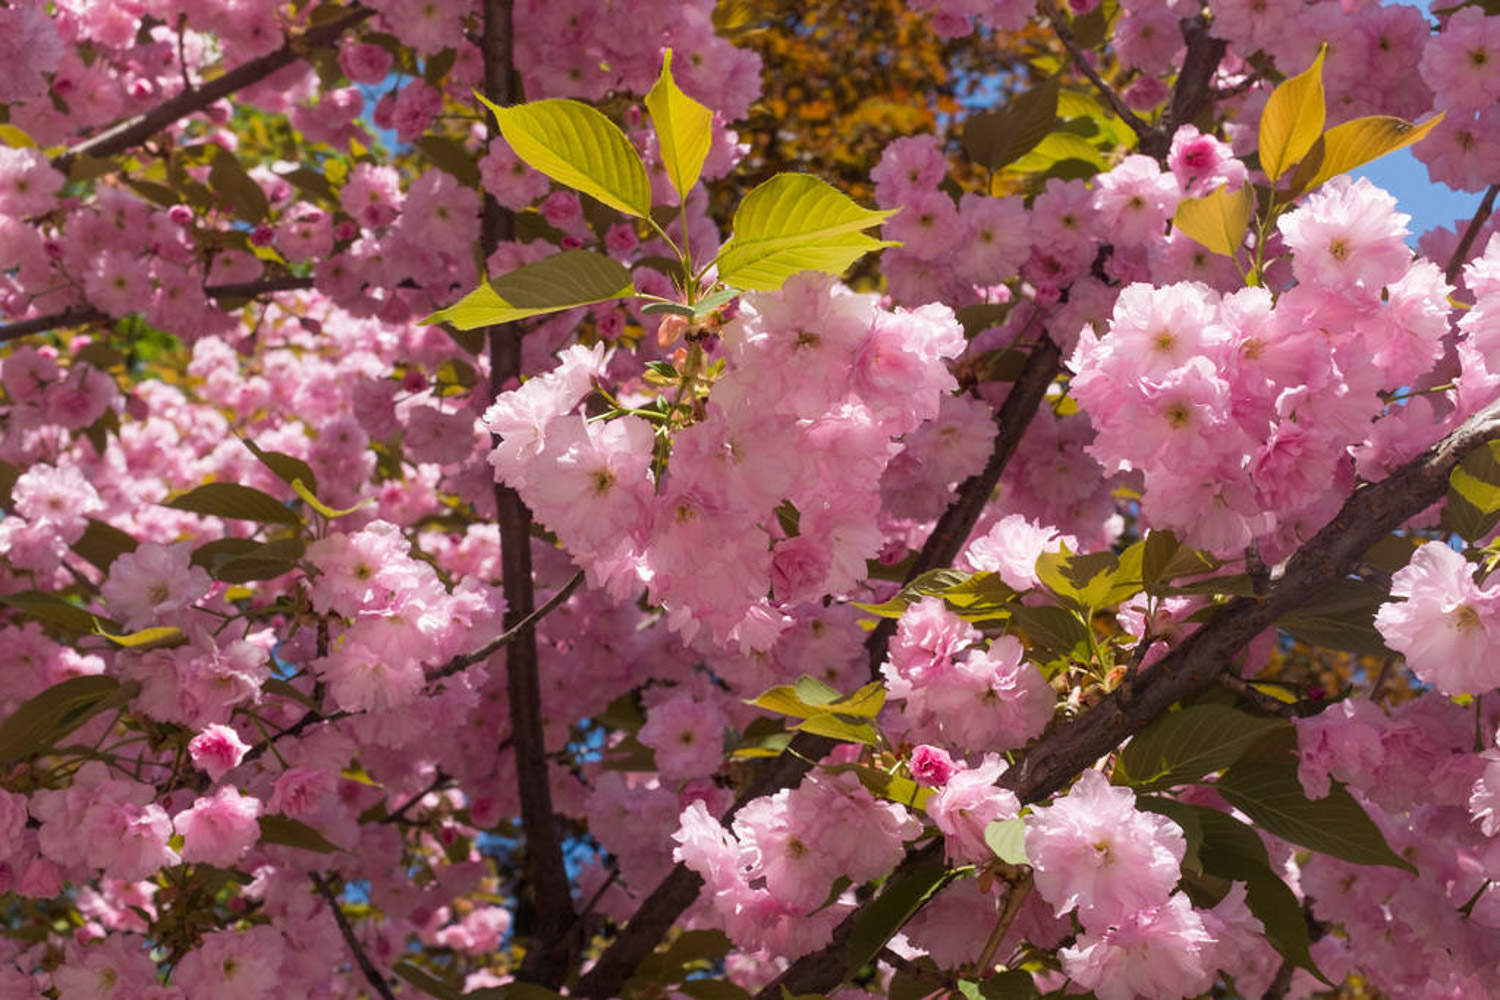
285,467
231,500
684,129
1007,838
101,544
577,146
563,281
1185,745
994,139
41,721
1341,617
278,829
1052,628
156,637
1269,793
1228,849
1293,119
1217,221
1355,143
237,188
880,919
53,609
794,223
812,691
265,562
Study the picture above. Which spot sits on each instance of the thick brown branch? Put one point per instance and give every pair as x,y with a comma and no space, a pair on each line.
88,314
1196,664
132,131
372,975
549,953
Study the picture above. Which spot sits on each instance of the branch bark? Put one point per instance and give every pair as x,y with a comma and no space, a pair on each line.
1335,551
88,314
549,953
123,135
372,975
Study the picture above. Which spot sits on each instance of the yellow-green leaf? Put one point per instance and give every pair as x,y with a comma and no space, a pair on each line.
322,508
1293,119
562,281
1056,148
577,146
1219,220
794,223
15,138
995,138
684,129
1355,143
156,637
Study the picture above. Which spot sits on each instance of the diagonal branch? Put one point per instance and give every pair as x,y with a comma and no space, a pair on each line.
372,975
1471,233
1112,97
88,314
1196,664
132,131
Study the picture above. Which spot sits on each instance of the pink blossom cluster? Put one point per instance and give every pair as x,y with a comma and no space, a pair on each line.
768,881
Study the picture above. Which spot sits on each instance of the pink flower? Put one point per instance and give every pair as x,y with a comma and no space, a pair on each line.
59,496
154,582
1448,627
969,802
1348,237
1160,951
931,766
687,734
1094,850
219,829
927,638
217,750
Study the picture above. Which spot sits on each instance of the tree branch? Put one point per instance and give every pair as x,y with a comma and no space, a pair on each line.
372,975
1195,665
88,314
1471,233
1064,32
466,660
123,135
549,952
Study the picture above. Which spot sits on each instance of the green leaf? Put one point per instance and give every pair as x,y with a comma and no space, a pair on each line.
1092,581
1226,848
8,476
15,138
40,722
53,609
1007,838
794,223
993,139
421,978
684,129
265,561
102,543
1267,790
156,637
1185,745
451,157
810,697
1165,559
1217,221
577,146
1052,628
711,989
287,468
892,787
1057,148
563,281
1293,119
1355,143
1012,984
878,922
278,829
1341,617
231,500
237,188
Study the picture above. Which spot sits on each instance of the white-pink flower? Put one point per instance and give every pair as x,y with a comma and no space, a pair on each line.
1448,627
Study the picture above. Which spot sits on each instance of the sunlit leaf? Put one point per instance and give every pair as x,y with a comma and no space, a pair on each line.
1293,119
684,129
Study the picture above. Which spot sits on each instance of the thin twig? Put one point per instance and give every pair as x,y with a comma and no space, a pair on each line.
128,133
88,314
467,660
372,975
1111,96
1466,242
438,781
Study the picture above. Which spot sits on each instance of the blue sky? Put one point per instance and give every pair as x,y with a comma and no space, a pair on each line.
1428,204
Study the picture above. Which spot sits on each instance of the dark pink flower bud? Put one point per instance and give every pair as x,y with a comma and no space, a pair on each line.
931,766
